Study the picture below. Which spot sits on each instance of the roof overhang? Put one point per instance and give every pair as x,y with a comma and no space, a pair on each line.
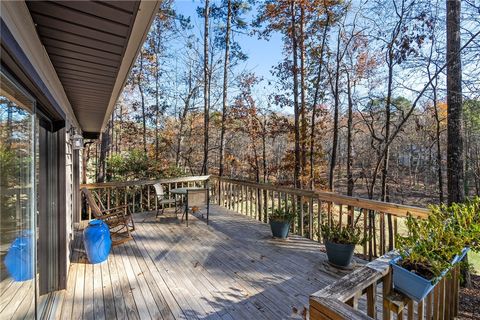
92,47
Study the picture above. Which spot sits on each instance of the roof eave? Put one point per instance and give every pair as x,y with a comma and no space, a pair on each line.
143,20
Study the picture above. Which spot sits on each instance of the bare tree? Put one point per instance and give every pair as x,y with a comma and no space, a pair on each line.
140,83
316,98
293,35
206,87
455,132
225,86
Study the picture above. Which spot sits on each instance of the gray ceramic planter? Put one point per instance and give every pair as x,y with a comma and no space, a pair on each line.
339,254
280,229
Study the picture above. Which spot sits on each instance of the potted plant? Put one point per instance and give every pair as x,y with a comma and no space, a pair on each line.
434,245
280,220
340,241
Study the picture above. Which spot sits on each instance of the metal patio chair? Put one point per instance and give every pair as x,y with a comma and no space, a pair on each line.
162,199
197,198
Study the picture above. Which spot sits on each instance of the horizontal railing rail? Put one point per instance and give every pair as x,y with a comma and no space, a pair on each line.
117,184
139,195
380,221
342,299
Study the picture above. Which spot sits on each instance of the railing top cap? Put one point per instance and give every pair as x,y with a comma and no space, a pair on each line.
327,196
145,182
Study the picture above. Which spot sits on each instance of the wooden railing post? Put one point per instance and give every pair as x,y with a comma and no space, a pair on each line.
259,205
301,230
386,289
372,300
265,205
148,197
341,297
310,219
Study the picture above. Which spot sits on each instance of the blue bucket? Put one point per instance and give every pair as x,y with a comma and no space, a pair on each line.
18,260
97,241
409,283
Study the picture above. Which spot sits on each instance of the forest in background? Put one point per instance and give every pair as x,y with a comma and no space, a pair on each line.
358,105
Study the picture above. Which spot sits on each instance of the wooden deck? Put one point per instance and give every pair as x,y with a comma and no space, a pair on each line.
17,301
231,269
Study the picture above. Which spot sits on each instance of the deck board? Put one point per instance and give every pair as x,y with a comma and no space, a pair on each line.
230,269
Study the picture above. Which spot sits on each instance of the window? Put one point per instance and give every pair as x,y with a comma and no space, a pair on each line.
18,235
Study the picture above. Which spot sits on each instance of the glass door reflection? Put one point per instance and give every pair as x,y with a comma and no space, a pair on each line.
17,203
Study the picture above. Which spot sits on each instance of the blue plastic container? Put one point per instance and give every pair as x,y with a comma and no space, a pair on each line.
280,229
409,283
460,256
18,260
97,241
415,286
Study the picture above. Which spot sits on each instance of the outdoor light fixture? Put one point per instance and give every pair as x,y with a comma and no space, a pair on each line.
77,141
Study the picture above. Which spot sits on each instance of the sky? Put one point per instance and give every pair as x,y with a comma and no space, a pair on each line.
262,54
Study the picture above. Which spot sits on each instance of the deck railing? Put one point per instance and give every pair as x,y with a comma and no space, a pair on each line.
380,221
258,200
343,299
139,195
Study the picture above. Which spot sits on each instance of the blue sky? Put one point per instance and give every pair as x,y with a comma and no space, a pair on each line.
262,54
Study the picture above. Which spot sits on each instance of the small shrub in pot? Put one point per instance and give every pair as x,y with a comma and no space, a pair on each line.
280,220
340,241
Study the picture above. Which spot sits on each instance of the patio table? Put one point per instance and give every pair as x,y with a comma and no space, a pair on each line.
183,191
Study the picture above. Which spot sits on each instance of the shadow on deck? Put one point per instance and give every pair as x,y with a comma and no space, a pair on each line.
231,269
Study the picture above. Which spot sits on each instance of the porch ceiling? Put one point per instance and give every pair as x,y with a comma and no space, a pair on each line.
87,43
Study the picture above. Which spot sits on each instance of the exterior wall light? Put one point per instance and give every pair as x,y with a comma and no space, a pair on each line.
77,142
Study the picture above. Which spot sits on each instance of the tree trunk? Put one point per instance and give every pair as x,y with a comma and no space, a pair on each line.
438,145
455,133
386,153
104,144
350,182
225,88
206,88
264,150
336,94
314,106
296,174
85,157
9,125
183,118
119,133
142,99
455,166
303,119
157,106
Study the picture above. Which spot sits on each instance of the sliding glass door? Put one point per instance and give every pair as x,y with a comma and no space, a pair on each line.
18,236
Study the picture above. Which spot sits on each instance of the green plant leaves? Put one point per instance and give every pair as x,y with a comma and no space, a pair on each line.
282,214
432,243
336,233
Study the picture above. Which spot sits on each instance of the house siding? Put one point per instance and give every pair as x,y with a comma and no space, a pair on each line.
16,17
